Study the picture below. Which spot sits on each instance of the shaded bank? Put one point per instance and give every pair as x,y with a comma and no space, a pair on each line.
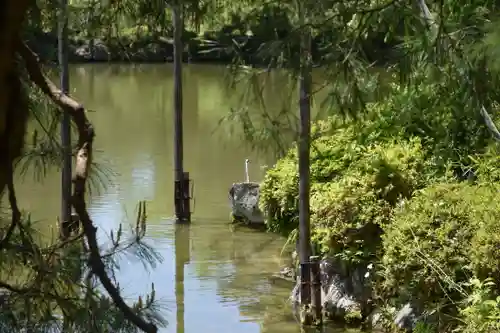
146,50
211,47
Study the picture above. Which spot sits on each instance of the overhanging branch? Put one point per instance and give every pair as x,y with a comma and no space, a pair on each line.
82,167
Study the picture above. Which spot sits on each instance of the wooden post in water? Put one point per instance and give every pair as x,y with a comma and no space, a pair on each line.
182,210
317,306
186,197
66,182
304,172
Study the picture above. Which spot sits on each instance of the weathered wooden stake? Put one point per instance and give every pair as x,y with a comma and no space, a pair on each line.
182,210
317,306
183,199
66,183
186,196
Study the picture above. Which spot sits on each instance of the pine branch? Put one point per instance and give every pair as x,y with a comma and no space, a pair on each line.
83,162
426,13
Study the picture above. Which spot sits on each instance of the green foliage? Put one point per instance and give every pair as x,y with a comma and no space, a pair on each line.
353,317
485,165
422,327
46,285
348,212
365,173
481,310
434,111
355,185
437,240
361,168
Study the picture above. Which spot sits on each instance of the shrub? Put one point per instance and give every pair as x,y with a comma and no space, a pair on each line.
437,241
444,133
354,188
348,212
481,310
485,166
330,155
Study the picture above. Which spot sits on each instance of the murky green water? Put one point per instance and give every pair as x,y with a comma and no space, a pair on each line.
212,279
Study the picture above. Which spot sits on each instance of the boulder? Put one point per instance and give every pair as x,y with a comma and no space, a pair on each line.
153,52
407,317
344,293
244,201
98,52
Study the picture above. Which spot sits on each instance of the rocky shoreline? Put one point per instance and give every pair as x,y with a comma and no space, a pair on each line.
346,293
346,289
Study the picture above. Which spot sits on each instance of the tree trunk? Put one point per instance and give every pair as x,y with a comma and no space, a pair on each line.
13,104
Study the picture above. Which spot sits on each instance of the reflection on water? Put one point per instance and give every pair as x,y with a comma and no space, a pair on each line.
213,279
182,257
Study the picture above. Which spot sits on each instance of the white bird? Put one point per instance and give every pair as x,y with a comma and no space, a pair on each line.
247,176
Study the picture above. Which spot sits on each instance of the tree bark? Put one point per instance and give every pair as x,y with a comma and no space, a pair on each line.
13,110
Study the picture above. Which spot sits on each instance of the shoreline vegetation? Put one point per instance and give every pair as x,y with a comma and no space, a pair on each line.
404,172
397,196
127,50
403,211
216,47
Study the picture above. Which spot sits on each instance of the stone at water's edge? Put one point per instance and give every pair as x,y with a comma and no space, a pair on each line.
343,293
244,200
407,317
347,292
100,52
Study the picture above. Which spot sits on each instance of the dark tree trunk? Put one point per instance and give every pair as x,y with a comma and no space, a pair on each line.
13,105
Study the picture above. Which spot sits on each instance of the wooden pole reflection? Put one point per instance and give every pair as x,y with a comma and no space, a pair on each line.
182,257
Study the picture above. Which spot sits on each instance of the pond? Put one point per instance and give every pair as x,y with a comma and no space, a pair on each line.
212,278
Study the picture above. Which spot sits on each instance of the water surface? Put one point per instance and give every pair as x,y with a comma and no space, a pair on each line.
212,278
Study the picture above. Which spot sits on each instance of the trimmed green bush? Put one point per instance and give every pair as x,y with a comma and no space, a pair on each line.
330,155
